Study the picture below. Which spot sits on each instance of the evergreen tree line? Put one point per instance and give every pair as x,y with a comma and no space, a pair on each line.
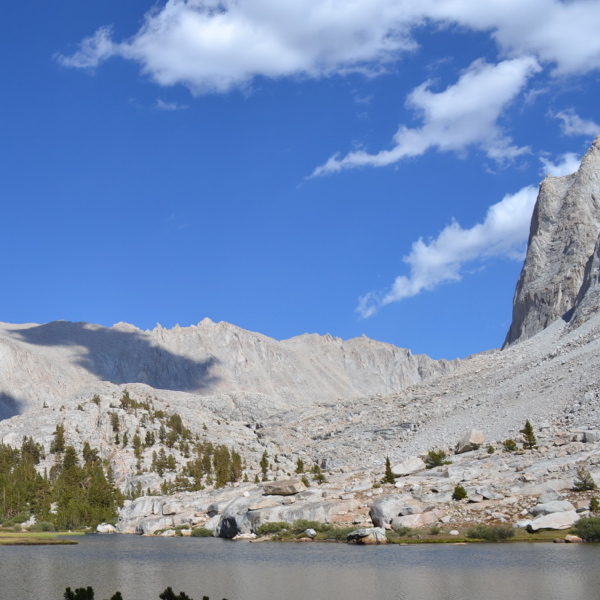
212,464
83,493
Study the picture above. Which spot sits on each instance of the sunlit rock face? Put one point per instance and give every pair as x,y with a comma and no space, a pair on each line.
562,240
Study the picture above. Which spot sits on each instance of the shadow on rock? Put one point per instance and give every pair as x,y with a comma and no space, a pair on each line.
9,406
122,355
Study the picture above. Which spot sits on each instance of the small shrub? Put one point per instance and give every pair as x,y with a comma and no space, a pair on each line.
490,533
584,481
509,445
305,480
202,532
20,518
331,532
588,529
491,449
435,530
459,492
436,458
42,526
594,505
275,527
402,531
303,524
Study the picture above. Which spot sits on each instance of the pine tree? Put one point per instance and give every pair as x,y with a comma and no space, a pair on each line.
58,443
529,441
389,475
584,481
264,465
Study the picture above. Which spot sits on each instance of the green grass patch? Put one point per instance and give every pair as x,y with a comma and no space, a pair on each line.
32,539
489,533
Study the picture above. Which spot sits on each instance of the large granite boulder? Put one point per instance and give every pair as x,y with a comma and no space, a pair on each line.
367,536
470,441
285,487
416,521
549,508
385,508
559,520
411,465
235,519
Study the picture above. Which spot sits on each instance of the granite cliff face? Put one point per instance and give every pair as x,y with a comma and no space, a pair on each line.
564,232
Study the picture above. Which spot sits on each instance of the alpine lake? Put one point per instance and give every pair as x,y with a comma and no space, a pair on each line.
142,567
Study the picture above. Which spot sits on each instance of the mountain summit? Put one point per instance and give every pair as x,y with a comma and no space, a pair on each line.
562,242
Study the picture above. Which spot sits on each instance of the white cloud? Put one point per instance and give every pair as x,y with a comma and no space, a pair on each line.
568,163
214,46
504,232
169,106
564,34
573,124
463,115
92,51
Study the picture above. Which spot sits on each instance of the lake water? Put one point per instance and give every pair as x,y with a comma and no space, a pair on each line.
142,567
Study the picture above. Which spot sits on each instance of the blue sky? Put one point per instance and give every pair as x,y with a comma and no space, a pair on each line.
344,166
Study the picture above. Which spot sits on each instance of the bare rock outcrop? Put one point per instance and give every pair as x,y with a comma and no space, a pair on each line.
563,236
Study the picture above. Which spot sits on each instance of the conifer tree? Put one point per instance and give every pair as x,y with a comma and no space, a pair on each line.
389,475
58,443
529,441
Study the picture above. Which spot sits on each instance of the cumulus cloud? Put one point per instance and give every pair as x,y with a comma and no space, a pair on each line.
214,46
573,124
563,34
464,114
503,232
567,164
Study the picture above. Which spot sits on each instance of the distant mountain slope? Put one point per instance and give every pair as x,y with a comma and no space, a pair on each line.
44,364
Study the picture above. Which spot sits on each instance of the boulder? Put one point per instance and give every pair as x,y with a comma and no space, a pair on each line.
591,437
265,503
416,521
172,508
411,465
385,508
284,487
310,533
560,520
551,507
470,441
105,528
367,536
550,495
573,539
235,520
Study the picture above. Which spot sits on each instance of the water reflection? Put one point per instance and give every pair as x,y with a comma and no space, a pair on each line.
143,567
